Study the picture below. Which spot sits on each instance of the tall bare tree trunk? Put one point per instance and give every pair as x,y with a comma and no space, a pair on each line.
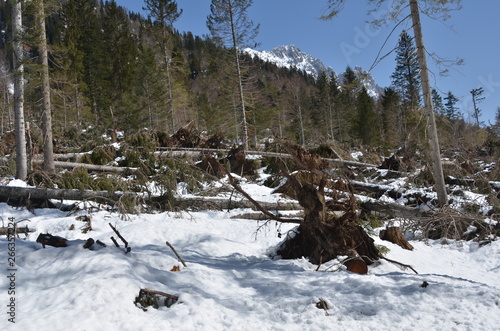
17,45
240,83
48,148
171,109
437,167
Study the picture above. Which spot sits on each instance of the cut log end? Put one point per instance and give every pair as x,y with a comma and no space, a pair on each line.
357,266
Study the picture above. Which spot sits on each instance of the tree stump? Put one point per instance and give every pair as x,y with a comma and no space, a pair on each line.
394,235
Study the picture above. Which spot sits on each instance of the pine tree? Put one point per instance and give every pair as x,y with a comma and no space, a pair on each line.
321,107
451,110
69,69
91,44
437,100
365,121
392,132
230,26
347,100
406,76
120,59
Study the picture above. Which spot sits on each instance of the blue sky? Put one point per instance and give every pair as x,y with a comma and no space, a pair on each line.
471,34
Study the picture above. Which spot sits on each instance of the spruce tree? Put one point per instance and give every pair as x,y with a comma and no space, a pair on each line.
437,100
406,76
451,110
391,130
350,87
120,59
321,107
365,121
95,72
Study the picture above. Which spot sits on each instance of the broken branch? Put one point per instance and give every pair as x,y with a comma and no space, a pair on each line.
176,254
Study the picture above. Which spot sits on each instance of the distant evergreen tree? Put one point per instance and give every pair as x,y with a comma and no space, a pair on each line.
392,132
120,59
406,76
90,42
333,109
365,121
437,100
350,82
451,110
320,112
347,103
71,108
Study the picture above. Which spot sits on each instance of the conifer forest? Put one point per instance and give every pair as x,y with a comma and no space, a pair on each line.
116,70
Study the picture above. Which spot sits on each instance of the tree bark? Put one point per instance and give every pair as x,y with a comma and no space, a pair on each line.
12,192
21,155
186,151
48,148
393,210
394,235
240,83
91,167
437,167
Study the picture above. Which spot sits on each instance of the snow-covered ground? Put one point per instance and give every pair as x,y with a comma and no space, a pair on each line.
230,282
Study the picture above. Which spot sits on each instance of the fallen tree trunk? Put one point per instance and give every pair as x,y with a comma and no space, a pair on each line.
6,231
9,193
34,193
224,203
91,167
392,210
183,151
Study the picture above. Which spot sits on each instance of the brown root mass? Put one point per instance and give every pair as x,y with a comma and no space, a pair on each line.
323,236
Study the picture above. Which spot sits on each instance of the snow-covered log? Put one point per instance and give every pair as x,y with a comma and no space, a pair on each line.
91,167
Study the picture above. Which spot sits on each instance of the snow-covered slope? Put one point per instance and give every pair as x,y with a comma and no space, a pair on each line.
290,56
230,282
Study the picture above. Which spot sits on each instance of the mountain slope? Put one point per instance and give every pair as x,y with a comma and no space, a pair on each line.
290,56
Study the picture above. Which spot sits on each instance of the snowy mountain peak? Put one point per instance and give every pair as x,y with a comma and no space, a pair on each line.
290,56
